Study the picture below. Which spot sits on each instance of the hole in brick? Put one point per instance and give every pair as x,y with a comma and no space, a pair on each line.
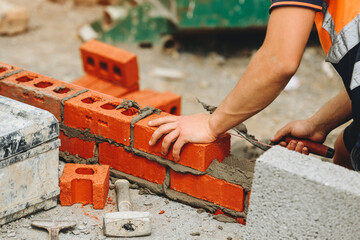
89,100
84,171
117,71
90,61
26,94
104,66
109,106
102,122
43,84
173,110
40,99
24,79
62,90
3,69
130,111
88,117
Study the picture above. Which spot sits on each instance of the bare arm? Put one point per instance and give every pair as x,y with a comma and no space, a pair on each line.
334,113
267,74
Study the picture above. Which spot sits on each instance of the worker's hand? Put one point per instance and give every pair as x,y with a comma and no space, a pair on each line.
299,129
181,130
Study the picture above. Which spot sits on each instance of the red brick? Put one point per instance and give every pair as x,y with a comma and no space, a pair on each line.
104,86
197,156
76,146
166,101
210,189
126,162
96,112
86,184
38,90
110,63
6,69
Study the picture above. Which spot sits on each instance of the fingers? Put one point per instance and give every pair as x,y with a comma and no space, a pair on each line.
163,120
180,142
168,140
296,146
163,129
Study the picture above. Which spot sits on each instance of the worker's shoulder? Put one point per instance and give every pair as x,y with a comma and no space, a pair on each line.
311,4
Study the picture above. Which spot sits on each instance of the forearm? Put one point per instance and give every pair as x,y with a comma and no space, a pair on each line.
334,113
262,82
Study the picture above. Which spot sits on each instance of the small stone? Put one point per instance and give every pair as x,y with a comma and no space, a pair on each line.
3,231
220,227
11,235
26,225
85,223
147,204
229,238
195,234
166,202
76,232
56,213
81,227
200,210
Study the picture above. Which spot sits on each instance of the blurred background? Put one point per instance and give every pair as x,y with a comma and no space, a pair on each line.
195,48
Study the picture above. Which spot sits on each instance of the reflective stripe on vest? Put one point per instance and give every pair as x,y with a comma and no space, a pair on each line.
355,80
337,45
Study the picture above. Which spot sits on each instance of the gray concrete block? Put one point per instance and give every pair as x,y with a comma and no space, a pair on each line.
29,159
23,127
295,196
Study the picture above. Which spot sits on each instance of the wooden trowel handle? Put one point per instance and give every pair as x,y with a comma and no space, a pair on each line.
123,195
314,147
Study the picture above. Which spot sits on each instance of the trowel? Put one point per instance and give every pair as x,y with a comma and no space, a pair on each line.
241,130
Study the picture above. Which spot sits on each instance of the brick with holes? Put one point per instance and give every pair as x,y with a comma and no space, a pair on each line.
197,156
97,112
86,184
110,63
166,101
38,90
76,146
104,86
7,70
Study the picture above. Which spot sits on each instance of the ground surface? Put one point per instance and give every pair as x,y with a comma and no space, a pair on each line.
50,47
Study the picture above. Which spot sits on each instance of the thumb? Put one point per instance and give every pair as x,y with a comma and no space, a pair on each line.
280,134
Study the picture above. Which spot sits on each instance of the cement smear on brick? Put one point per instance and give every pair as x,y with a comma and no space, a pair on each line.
6,75
67,98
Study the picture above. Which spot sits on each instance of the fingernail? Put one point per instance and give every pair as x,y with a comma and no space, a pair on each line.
293,144
150,123
150,142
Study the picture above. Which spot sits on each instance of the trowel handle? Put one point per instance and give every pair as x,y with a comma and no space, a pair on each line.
123,195
314,147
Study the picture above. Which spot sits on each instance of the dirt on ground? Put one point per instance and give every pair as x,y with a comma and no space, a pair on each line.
212,63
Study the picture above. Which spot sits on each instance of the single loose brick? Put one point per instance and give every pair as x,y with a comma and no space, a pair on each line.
76,146
38,90
210,189
166,101
126,162
104,86
97,112
197,156
86,184
110,63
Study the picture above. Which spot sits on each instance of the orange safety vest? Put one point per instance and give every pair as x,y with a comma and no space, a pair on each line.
338,26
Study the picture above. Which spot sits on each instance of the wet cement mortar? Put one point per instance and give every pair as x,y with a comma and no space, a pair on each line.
50,47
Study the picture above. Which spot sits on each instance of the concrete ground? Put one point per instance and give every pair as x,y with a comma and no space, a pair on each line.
50,47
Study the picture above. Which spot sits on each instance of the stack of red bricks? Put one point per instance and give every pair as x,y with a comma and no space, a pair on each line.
98,128
115,72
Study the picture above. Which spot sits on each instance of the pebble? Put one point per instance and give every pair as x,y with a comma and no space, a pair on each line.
11,235
4,231
229,238
200,210
220,227
76,232
195,234
81,227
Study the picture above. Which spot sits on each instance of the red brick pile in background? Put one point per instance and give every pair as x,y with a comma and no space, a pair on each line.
93,129
115,72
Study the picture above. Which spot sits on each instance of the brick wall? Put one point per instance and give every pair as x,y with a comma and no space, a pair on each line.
98,128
